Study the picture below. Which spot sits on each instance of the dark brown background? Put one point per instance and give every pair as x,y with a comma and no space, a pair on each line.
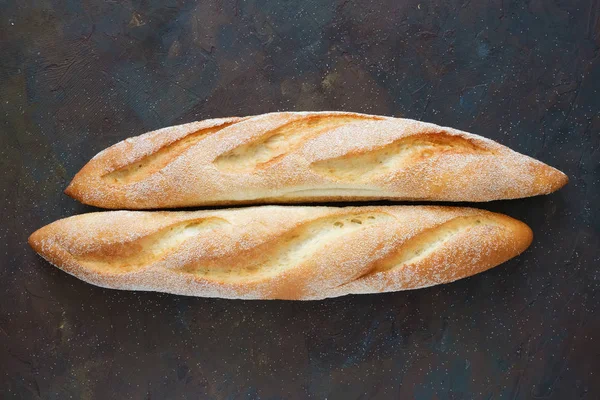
78,76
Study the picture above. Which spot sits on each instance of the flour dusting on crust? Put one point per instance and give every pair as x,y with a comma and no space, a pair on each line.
278,252
310,156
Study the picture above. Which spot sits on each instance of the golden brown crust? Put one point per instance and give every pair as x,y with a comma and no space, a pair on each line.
303,157
278,252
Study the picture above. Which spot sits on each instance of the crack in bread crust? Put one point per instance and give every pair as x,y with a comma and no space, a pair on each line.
290,250
152,163
276,143
397,155
425,243
131,256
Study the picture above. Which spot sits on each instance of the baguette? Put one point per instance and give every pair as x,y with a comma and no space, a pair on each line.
291,157
279,252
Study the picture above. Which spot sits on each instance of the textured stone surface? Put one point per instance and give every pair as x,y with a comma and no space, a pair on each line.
76,77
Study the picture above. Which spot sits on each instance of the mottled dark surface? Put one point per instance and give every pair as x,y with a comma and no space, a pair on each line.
76,77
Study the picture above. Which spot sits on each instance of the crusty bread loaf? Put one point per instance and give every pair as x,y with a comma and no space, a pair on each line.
279,252
311,156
